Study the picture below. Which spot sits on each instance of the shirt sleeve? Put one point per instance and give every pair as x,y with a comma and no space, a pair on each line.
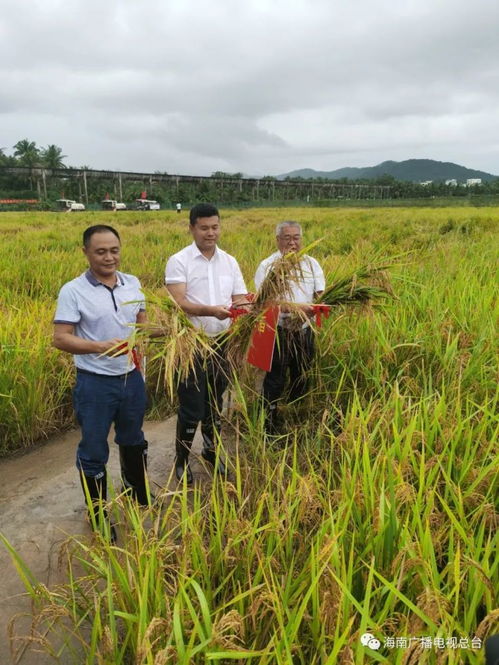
175,271
239,286
261,271
319,280
142,307
67,309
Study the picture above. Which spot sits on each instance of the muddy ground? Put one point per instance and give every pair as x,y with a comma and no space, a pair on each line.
41,503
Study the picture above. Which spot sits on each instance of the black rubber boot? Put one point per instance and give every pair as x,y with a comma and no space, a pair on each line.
272,422
211,436
273,427
492,650
96,486
183,442
133,462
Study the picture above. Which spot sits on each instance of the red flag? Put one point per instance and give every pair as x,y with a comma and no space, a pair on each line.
143,195
320,311
263,339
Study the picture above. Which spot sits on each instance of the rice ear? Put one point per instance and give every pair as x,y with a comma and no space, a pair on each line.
362,286
180,344
275,289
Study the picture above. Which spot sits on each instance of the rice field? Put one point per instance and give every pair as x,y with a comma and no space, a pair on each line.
380,517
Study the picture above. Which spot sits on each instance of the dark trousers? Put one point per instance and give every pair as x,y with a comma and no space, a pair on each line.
100,401
293,355
200,395
492,650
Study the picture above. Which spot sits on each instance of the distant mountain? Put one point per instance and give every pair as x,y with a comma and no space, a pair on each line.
411,170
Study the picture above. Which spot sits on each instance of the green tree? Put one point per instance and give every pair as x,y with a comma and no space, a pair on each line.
226,176
384,179
27,153
52,157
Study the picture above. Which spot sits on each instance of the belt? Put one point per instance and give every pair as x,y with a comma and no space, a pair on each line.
292,328
106,376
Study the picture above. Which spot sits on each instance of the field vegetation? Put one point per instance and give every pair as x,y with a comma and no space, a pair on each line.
379,516
423,181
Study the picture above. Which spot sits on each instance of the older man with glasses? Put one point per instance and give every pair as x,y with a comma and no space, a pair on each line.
294,348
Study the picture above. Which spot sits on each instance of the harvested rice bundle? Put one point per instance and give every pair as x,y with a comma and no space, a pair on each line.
277,284
364,285
274,290
176,341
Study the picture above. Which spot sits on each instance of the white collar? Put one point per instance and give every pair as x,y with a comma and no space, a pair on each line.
197,252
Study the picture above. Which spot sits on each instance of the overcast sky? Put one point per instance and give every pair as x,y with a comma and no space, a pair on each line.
257,86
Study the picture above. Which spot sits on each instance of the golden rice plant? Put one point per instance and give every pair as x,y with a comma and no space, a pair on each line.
362,286
174,342
274,290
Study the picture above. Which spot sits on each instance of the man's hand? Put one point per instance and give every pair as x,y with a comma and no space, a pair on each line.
178,291
307,309
66,340
243,301
113,347
220,312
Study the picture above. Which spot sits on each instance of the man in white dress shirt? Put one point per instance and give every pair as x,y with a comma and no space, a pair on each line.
205,281
294,349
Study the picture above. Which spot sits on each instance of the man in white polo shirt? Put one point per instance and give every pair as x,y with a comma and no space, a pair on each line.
294,349
205,281
95,313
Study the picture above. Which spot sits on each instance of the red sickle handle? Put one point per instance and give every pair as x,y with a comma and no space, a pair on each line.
121,349
319,312
124,348
235,312
136,360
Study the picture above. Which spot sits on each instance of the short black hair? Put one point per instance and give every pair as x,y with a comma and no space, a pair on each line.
97,228
202,210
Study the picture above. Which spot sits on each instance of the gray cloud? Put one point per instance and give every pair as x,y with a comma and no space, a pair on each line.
263,86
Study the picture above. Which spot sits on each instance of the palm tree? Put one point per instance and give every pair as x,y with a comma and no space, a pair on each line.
27,153
52,157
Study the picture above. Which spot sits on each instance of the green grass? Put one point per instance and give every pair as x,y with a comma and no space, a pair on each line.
380,528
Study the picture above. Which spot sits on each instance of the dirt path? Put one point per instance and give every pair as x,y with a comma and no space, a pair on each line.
41,503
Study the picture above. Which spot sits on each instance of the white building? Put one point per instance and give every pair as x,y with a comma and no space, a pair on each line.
470,182
425,183
452,182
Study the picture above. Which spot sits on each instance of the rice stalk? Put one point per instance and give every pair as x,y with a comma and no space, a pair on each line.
170,338
274,290
360,287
